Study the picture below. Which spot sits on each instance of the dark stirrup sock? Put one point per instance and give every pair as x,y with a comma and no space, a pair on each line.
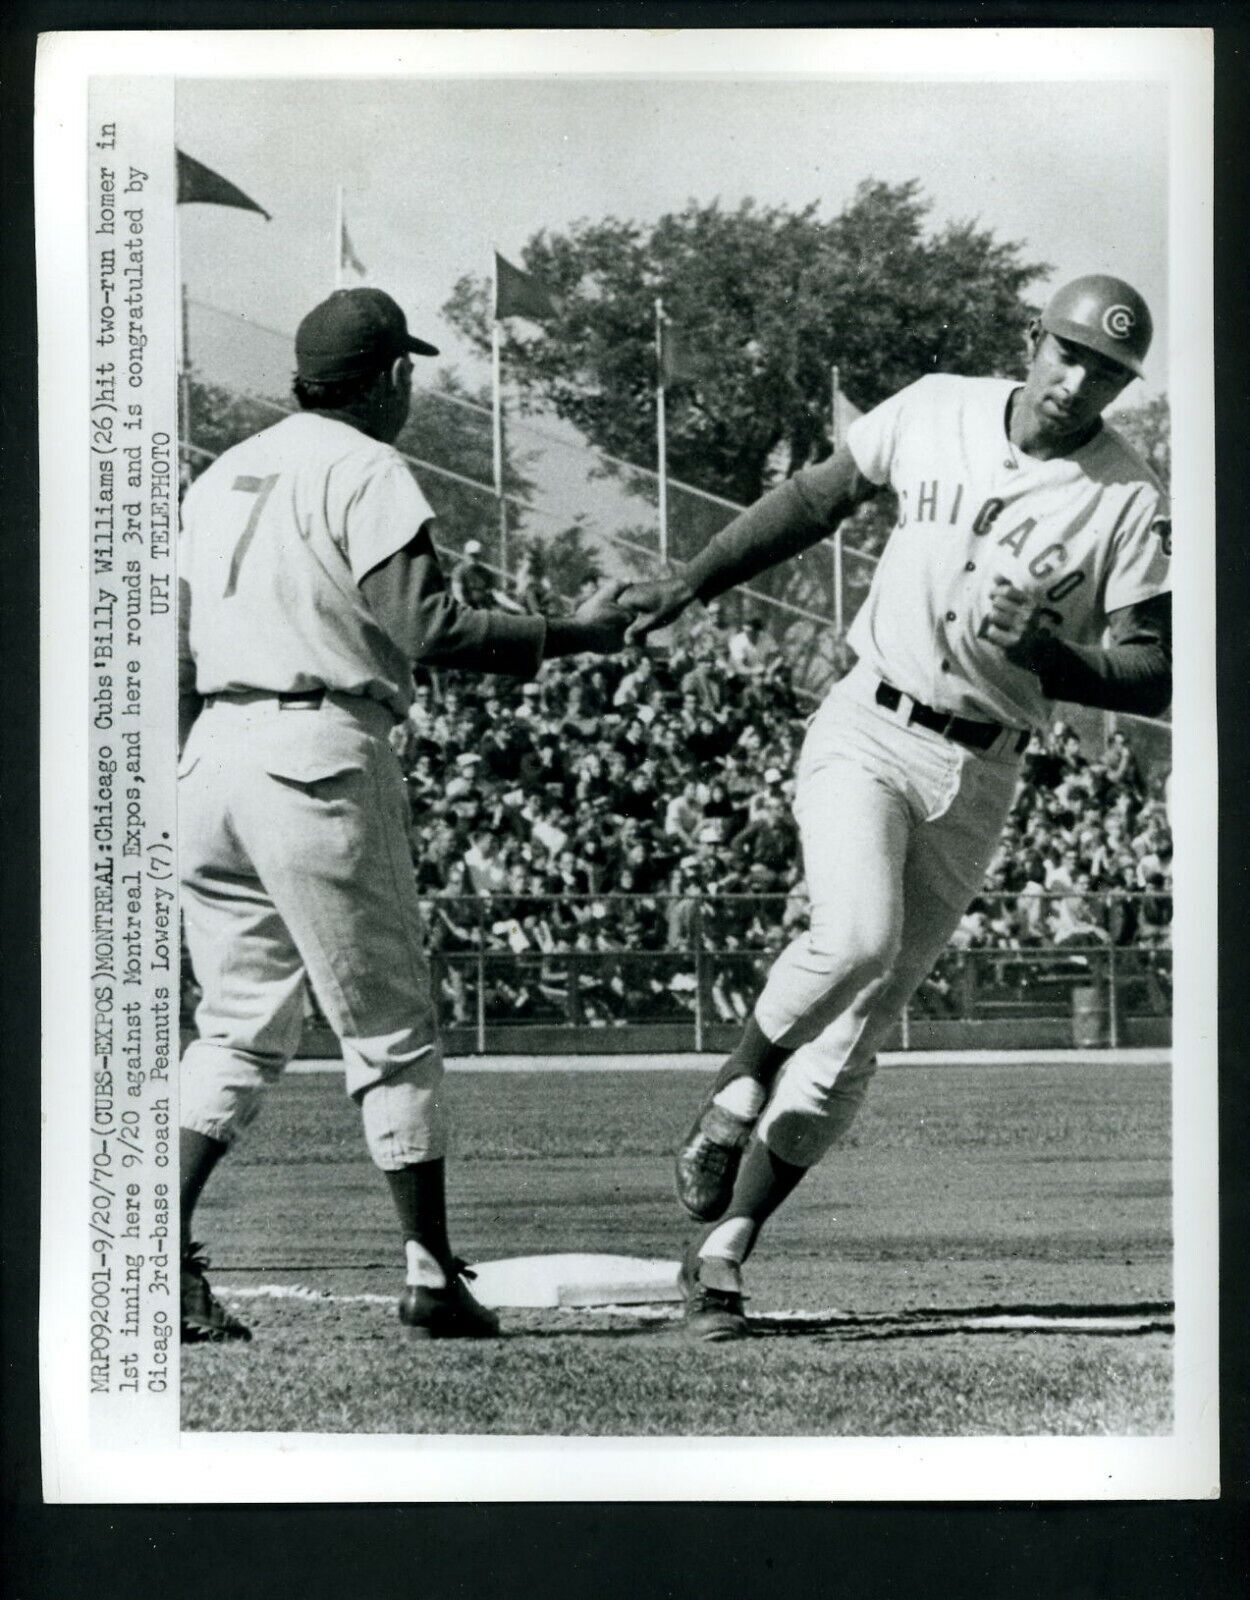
419,1193
197,1156
755,1056
764,1181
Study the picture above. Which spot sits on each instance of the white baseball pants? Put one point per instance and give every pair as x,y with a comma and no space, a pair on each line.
898,826
294,860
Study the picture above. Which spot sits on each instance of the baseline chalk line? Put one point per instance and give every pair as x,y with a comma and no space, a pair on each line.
1140,1318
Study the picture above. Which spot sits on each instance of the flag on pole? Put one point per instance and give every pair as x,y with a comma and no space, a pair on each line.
198,183
847,411
679,362
521,294
347,252
844,412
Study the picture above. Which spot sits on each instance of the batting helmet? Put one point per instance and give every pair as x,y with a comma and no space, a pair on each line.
1105,314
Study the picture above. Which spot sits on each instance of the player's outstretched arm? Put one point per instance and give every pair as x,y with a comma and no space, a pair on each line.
782,523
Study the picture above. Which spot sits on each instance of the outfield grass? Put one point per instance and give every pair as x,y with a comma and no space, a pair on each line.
961,1187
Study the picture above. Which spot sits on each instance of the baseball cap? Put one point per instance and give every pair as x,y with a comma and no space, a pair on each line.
353,333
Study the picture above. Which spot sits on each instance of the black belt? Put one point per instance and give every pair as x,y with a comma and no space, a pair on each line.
963,730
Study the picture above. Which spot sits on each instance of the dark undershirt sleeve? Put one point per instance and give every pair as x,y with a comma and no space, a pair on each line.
410,598
782,523
1133,673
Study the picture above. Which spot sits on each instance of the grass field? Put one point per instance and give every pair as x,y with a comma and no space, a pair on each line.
963,1191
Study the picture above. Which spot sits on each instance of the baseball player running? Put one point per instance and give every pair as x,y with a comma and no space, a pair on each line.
1029,563
309,585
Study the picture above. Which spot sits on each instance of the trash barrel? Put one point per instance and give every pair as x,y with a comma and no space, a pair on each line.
1091,1022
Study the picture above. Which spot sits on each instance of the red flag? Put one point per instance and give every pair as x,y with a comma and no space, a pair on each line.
198,183
521,294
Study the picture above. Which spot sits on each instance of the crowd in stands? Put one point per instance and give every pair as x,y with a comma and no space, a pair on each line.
667,778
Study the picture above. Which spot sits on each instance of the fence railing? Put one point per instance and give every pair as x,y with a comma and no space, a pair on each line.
697,963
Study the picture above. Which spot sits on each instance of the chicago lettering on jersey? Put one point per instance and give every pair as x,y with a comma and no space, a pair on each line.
931,506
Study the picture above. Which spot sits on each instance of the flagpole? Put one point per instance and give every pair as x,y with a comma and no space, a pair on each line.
661,429
839,604
338,238
497,421
182,340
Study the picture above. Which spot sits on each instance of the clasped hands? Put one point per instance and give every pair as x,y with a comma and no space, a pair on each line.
623,613
626,613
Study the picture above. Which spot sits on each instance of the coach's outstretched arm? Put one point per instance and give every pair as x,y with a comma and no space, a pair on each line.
782,523
411,599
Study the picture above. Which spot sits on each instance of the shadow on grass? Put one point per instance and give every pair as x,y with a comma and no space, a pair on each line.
1105,1321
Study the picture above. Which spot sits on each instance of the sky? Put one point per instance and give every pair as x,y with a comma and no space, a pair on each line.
437,171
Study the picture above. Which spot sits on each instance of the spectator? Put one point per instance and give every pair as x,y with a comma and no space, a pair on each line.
488,869
683,815
751,649
472,582
531,588
769,798
769,844
720,819
637,680
703,686
1122,766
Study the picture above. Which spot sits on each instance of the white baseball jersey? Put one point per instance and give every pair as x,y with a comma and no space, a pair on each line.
276,536
1086,534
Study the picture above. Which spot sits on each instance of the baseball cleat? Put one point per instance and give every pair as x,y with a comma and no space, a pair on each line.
714,1310
204,1319
707,1162
447,1313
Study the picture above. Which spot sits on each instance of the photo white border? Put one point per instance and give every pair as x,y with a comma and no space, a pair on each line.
213,1467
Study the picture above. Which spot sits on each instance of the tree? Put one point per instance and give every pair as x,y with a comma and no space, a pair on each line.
568,560
1148,428
449,428
770,299
767,299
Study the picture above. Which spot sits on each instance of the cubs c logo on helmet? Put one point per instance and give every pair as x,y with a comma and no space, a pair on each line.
1118,321
1104,314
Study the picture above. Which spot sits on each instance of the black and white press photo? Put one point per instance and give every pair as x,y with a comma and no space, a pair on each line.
641,765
